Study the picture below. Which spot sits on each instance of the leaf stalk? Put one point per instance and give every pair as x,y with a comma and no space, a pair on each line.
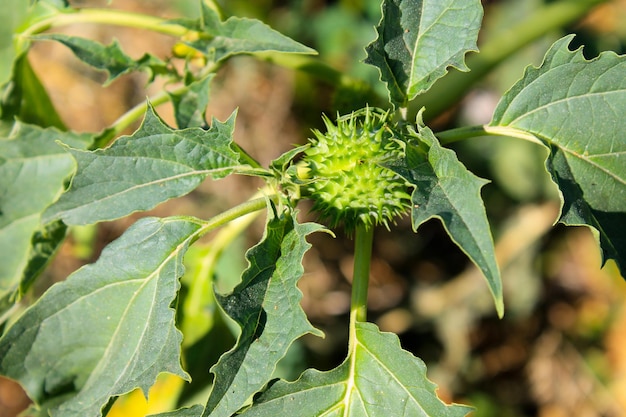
108,17
247,207
466,132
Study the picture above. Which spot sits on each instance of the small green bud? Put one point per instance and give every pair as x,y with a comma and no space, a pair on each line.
349,183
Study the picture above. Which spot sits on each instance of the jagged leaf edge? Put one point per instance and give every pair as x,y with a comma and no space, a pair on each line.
58,211
565,217
55,401
423,136
229,303
397,95
313,378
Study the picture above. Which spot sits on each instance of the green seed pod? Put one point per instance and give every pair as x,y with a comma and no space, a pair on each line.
348,182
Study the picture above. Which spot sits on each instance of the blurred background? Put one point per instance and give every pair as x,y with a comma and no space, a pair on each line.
559,350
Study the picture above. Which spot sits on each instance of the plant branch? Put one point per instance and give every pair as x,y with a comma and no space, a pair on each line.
455,85
138,111
247,207
108,17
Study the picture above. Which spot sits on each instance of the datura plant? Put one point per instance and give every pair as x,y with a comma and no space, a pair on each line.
114,326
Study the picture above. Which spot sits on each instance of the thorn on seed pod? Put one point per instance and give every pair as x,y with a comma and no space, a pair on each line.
351,185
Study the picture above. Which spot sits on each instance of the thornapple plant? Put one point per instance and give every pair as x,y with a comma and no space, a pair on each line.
111,327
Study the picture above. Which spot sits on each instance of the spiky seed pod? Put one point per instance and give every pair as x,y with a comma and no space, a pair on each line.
349,183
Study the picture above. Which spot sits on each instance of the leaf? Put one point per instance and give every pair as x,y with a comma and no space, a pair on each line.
140,171
33,169
190,107
108,328
419,39
446,190
109,58
12,14
26,98
266,305
576,108
220,40
379,378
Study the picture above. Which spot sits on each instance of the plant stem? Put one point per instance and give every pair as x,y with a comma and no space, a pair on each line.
135,113
131,116
363,238
108,17
453,87
454,135
250,206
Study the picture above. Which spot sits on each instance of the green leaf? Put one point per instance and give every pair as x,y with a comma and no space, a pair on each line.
108,328
26,98
379,378
140,171
109,58
576,108
190,106
446,190
419,39
220,40
12,14
266,305
33,169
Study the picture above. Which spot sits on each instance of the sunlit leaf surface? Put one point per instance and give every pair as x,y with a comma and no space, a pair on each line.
379,378
32,172
266,305
576,107
106,330
418,40
140,171
237,35
446,190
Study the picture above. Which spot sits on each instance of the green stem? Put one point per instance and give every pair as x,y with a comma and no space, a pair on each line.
107,17
363,238
544,20
454,135
138,111
247,207
131,116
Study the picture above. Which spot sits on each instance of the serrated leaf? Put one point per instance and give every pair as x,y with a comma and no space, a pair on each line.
108,328
576,108
446,190
419,39
266,305
190,107
140,171
33,169
109,58
220,40
379,378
